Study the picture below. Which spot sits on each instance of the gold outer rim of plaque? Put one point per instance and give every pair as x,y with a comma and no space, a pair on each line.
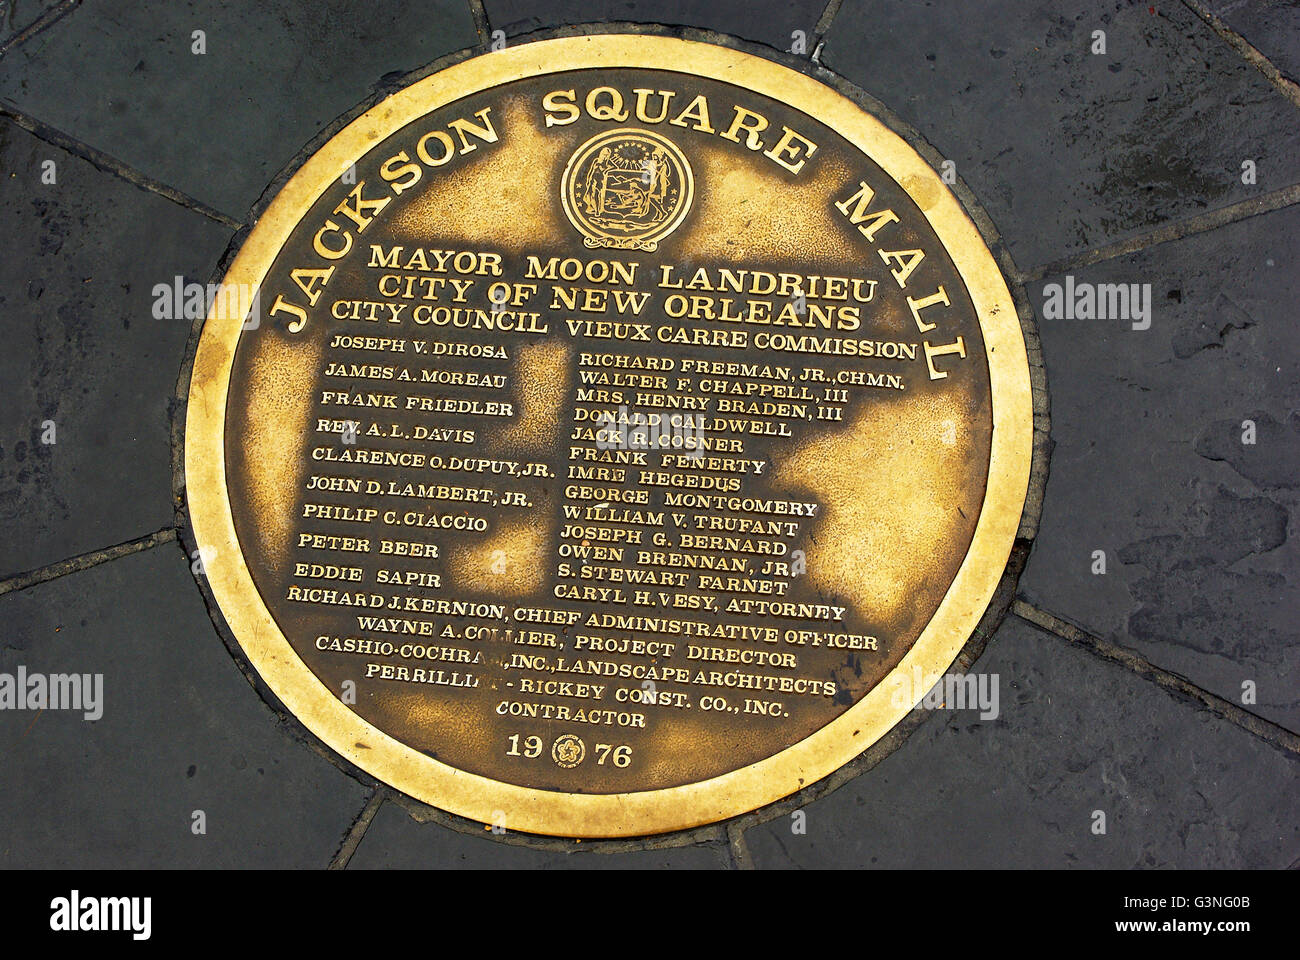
673,808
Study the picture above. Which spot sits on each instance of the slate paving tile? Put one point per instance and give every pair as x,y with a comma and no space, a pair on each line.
1271,26
1066,149
17,15
1198,527
394,840
773,22
83,349
1075,734
182,730
219,126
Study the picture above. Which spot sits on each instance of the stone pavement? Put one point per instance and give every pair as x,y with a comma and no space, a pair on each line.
1164,692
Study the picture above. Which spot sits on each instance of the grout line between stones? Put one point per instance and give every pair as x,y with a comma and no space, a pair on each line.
740,858
112,165
85,561
357,832
1285,85
828,16
823,25
1272,733
481,24
1176,230
46,20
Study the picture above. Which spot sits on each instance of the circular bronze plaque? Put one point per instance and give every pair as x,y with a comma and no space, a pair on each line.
628,431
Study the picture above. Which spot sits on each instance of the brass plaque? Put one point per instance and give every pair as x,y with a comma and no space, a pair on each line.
624,422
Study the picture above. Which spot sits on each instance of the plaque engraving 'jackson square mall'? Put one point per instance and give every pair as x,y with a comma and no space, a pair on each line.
622,417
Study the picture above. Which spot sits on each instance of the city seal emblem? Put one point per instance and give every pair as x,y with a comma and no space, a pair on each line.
627,188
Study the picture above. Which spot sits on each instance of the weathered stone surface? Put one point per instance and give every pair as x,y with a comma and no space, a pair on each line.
1150,465
773,22
396,840
1075,734
1064,148
182,730
84,350
220,125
